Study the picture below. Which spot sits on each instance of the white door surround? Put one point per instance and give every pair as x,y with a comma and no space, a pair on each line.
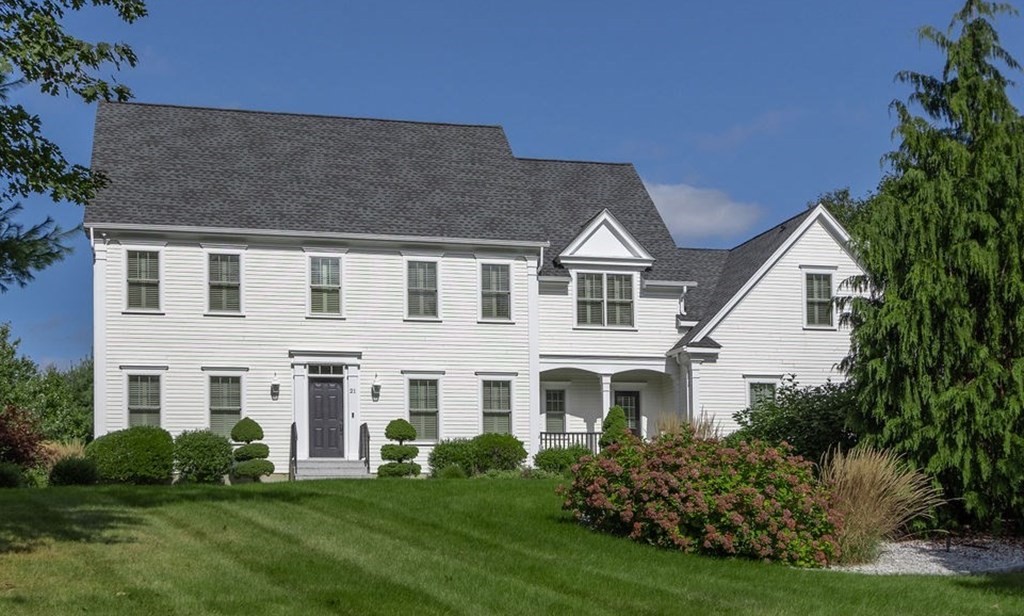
301,361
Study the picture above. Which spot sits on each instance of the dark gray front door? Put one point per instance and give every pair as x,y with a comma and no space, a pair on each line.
326,418
630,402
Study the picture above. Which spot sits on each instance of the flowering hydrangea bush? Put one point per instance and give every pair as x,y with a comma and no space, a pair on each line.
700,496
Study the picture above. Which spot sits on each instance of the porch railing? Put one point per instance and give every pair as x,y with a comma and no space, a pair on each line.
293,453
364,445
552,440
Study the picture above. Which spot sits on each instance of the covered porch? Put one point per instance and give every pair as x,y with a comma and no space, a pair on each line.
576,393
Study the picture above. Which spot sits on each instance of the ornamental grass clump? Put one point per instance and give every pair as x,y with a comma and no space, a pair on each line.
399,457
878,493
700,496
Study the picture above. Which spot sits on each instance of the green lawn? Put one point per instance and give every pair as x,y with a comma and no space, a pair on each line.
399,547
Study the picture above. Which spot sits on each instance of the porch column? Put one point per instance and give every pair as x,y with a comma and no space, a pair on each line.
695,408
606,394
300,412
352,407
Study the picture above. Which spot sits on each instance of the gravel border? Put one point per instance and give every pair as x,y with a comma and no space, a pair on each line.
966,556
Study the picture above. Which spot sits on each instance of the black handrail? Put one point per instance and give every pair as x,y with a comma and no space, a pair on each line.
364,445
555,440
293,454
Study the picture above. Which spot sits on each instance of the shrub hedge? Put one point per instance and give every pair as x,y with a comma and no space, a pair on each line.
139,455
458,452
479,455
74,472
560,459
202,456
702,496
11,475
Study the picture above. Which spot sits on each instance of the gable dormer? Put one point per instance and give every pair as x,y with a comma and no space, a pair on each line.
603,242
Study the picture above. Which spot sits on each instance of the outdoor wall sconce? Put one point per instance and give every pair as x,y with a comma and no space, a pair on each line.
275,388
375,388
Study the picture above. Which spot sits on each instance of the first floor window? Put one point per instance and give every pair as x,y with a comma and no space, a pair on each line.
761,392
819,300
495,294
422,289
325,285
143,280
497,406
143,400
225,283
423,408
225,403
554,410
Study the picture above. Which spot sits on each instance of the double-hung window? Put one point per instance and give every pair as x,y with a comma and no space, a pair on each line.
497,403
554,410
143,280
604,299
819,299
325,285
422,289
761,392
495,292
225,403
143,400
423,408
225,282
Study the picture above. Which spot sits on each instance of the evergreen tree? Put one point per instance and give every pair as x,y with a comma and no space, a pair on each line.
938,345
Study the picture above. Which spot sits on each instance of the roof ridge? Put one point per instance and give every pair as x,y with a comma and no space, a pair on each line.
577,162
773,228
301,115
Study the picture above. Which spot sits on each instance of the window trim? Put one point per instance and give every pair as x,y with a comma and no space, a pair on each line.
752,379
562,386
438,376
241,373
574,287
830,270
483,377
157,247
340,256
130,371
406,260
209,250
510,264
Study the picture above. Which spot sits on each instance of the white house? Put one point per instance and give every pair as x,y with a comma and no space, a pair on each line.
325,275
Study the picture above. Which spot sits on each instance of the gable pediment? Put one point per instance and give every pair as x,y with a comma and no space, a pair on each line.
605,240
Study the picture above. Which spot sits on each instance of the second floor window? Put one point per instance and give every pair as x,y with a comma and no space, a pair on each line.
143,280
225,283
325,285
495,294
604,299
422,289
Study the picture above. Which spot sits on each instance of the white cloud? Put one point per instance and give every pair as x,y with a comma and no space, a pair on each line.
702,214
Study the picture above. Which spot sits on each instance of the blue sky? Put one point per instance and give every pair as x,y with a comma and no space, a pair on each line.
753,108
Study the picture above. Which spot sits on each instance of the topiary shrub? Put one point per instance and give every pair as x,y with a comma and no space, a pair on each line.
139,455
701,496
11,475
250,458
252,451
399,456
74,472
246,431
202,456
20,437
560,459
460,452
502,452
614,428
452,471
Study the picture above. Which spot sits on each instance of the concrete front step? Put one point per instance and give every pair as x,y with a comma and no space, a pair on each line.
329,468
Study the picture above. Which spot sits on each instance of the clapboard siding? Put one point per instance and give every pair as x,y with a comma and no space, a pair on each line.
765,334
275,322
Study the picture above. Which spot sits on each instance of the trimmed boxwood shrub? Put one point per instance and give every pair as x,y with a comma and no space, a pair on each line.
702,496
460,452
252,451
202,456
614,428
560,459
246,431
398,469
74,472
452,471
399,456
139,455
501,452
11,475
253,469
400,430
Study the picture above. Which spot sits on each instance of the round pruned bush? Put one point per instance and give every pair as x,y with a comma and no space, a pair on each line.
501,452
614,428
398,469
139,455
452,471
74,472
202,456
11,475
253,469
399,453
252,451
460,452
246,431
560,459
695,495
400,430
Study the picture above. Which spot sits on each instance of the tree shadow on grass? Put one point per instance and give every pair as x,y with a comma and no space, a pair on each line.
1006,584
31,518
